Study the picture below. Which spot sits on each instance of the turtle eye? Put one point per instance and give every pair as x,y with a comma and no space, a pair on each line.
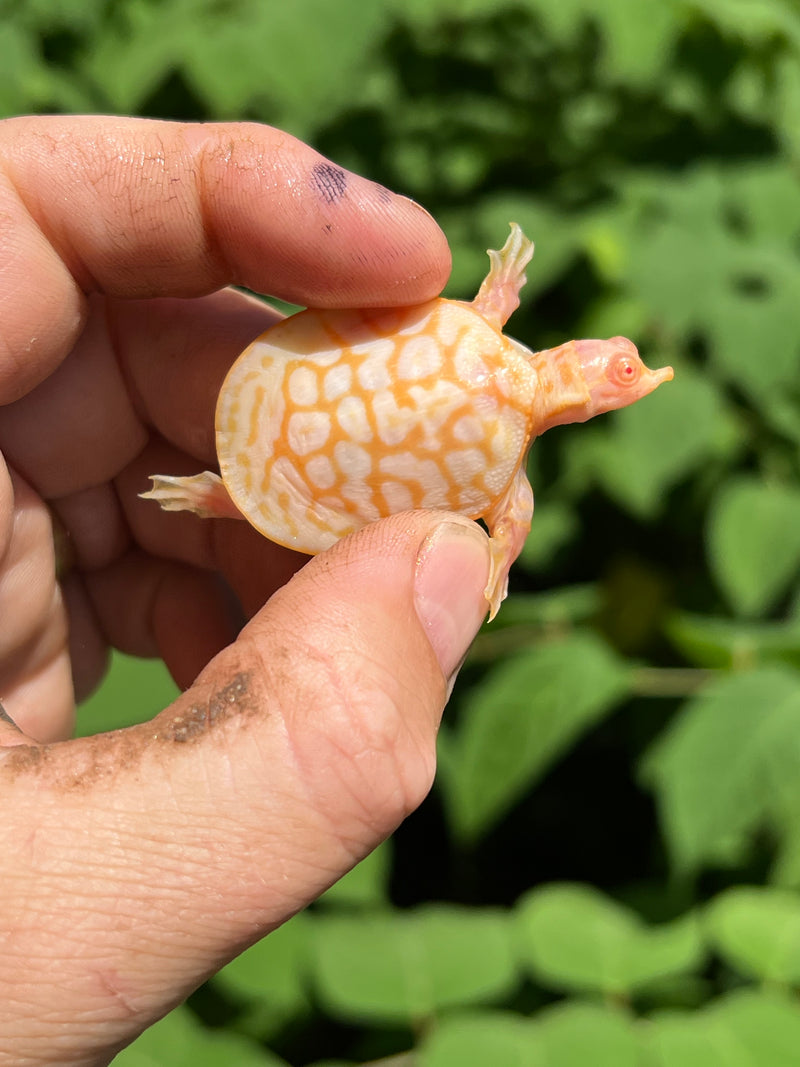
625,371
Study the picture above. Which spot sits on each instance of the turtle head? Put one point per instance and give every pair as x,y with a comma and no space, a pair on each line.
614,374
587,378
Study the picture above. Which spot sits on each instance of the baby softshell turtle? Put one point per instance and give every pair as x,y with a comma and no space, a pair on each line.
333,419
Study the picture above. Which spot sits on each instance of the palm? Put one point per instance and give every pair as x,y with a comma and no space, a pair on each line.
137,387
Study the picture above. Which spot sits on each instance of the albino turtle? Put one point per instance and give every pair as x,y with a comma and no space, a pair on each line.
332,419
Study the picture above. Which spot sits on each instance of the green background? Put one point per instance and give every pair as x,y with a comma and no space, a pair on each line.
606,872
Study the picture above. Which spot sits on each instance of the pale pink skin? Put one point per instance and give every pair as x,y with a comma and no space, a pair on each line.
570,383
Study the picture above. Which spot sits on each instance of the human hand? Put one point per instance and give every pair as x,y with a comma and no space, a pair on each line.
138,862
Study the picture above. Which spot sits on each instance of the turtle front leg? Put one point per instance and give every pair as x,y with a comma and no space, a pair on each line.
204,494
498,296
509,523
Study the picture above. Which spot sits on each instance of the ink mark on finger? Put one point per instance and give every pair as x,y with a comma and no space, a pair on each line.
329,181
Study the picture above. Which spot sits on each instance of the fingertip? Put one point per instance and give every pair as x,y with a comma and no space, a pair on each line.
299,226
429,249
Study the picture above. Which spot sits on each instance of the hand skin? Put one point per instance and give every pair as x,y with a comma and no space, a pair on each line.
136,863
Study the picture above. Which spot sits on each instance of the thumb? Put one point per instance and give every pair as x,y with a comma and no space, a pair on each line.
360,650
181,841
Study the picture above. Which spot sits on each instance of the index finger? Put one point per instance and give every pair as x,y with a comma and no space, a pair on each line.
135,207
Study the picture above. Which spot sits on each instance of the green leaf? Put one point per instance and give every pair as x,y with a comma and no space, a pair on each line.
676,248
271,977
653,444
179,1040
635,39
704,255
767,193
576,1035
785,871
558,609
743,1029
366,883
757,931
765,1025
304,61
24,76
755,23
406,966
782,771
140,48
555,525
424,15
59,14
520,719
710,769
754,542
482,1039
575,938
732,643
568,1035
740,322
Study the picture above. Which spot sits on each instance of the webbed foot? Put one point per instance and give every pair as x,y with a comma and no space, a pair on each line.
204,494
498,296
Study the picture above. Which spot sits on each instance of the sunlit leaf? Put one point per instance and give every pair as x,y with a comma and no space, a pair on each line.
575,938
637,38
710,768
179,1040
757,931
575,1034
24,76
758,358
57,14
754,541
366,883
304,60
554,610
133,55
755,23
709,641
571,1034
556,525
678,249
270,979
519,721
743,1029
654,443
405,966
479,1039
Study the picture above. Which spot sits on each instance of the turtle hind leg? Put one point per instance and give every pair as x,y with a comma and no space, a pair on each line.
204,494
498,296
509,523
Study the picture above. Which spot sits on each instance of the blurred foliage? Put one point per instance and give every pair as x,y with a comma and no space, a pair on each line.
607,870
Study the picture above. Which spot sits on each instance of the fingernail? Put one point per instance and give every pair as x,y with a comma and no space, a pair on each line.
451,575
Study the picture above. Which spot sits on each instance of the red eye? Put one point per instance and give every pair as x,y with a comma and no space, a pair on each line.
625,371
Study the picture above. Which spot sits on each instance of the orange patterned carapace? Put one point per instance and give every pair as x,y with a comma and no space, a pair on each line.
333,419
